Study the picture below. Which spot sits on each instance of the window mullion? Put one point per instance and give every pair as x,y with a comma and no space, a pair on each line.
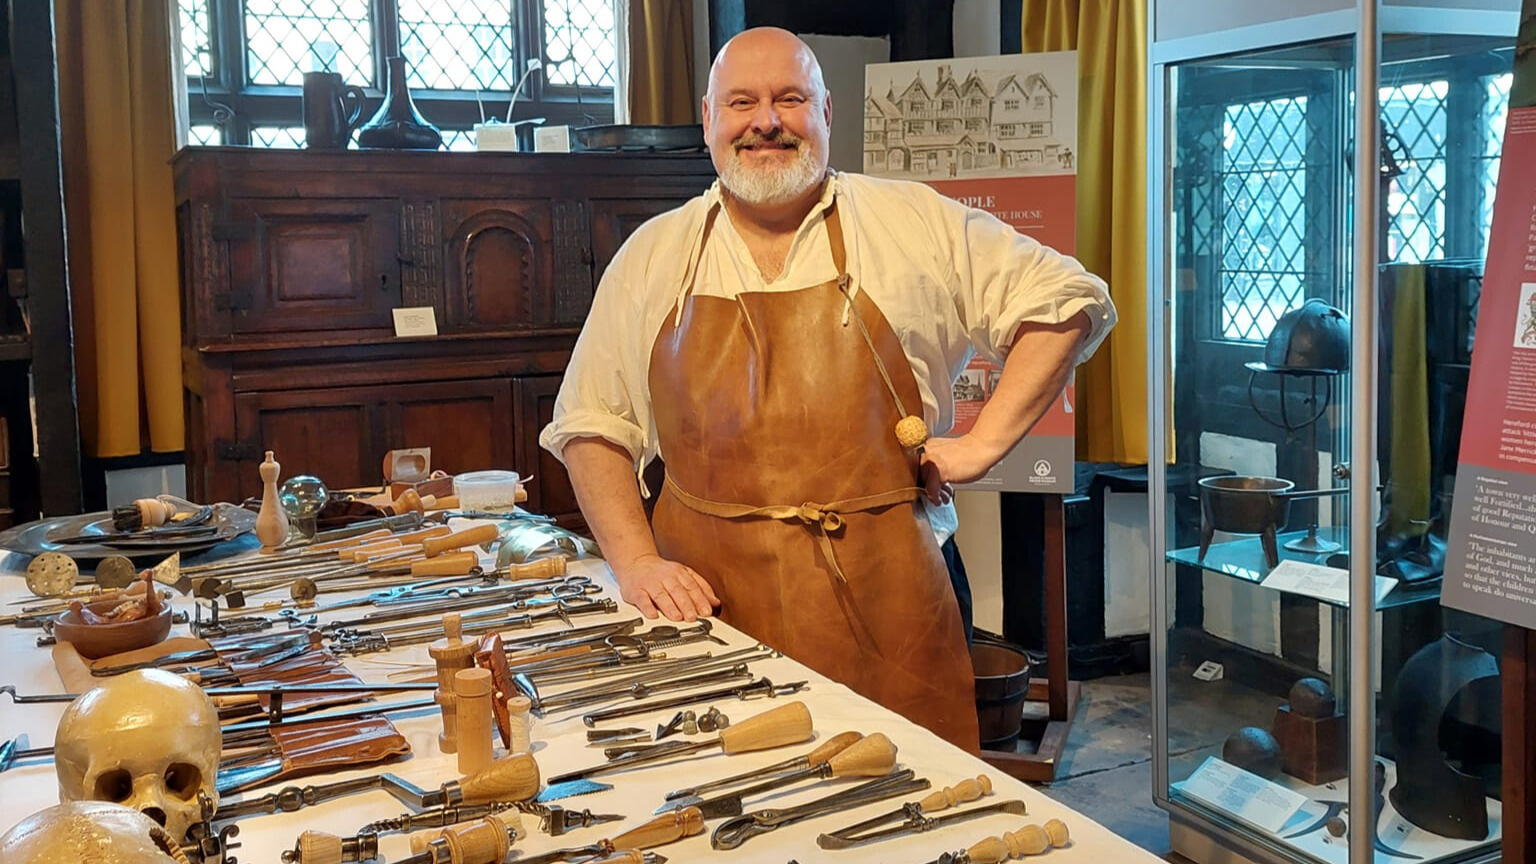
228,36
1463,144
386,38
530,44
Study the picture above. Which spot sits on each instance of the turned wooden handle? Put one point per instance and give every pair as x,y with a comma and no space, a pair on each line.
834,745
510,778
318,847
544,568
459,539
441,502
874,756
1029,840
424,534
348,542
667,828
408,502
351,552
949,796
390,555
452,564
485,841
786,724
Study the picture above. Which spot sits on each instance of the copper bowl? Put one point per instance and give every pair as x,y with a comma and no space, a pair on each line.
94,641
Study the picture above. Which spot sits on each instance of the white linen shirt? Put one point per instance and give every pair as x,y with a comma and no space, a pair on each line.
952,280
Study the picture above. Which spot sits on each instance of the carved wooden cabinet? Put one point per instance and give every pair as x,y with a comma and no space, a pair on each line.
292,265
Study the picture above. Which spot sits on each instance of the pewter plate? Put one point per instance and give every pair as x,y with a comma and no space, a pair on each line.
32,538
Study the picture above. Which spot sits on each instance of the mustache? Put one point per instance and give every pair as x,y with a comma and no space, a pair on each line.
752,139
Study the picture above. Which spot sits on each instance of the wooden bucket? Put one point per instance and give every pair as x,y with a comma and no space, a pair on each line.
1002,683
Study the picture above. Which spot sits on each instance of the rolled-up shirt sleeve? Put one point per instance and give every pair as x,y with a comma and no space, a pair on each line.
602,395
1002,279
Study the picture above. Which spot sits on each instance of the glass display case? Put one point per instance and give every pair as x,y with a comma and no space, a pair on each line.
1304,669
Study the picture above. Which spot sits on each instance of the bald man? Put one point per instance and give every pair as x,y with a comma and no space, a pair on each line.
783,343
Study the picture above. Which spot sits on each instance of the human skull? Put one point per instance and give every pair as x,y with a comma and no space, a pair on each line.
93,831
146,739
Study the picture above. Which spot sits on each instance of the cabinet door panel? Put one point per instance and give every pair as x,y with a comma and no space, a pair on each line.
614,219
313,265
327,433
552,494
468,424
498,262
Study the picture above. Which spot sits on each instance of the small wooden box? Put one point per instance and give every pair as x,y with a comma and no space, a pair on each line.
1311,749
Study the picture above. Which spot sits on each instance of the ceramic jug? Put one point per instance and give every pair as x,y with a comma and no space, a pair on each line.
331,110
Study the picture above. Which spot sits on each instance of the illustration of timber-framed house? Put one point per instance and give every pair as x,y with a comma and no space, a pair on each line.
987,121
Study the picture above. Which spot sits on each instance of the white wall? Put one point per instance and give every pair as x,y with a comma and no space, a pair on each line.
842,61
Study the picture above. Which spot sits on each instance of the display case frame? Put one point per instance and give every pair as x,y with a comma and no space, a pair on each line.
1197,832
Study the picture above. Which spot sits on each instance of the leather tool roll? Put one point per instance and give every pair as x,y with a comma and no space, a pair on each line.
312,748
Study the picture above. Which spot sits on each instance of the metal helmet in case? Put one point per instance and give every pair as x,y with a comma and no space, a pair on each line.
1312,339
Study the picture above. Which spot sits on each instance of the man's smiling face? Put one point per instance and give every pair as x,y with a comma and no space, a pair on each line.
767,118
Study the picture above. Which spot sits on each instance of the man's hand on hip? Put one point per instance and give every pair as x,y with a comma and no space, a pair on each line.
653,584
947,461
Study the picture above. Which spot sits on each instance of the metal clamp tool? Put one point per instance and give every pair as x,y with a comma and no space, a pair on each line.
761,688
914,815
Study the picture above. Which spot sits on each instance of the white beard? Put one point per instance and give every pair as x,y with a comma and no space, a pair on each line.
770,184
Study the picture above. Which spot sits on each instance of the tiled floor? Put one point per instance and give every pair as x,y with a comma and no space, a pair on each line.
1106,772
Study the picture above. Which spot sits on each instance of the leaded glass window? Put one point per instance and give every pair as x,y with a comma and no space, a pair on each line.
245,61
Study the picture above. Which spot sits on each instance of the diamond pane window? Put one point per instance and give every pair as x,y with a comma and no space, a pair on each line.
1263,223
207,135
459,140
458,44
196,51
579,45
286,38
1415,120
280,137
1495,110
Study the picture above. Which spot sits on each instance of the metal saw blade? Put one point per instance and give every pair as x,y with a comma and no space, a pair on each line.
570,789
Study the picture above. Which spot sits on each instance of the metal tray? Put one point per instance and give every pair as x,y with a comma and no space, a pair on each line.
32,538
638,138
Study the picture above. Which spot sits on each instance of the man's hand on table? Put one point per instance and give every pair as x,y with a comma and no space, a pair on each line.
653,584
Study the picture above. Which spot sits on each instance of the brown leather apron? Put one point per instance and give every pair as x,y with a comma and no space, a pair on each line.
787,490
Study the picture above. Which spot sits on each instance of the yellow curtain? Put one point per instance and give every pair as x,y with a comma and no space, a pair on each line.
661,62
118,133
1110,37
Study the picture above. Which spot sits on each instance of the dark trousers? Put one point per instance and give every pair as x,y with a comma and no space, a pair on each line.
958,579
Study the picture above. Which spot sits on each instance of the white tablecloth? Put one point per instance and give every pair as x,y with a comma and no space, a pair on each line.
561,745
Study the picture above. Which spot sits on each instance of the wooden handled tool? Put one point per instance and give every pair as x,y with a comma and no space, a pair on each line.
873,756
371,536
964,792
657,832
452,564
776,727
829,748
486,841
669,828
544,568
318,847
459,539
424,534
1029,840
352,553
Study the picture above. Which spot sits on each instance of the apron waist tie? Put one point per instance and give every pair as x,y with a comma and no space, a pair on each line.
824,520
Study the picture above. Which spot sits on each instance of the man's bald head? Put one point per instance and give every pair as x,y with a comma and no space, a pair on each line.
768,118
764,47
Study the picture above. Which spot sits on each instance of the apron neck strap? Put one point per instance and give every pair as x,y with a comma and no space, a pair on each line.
832,224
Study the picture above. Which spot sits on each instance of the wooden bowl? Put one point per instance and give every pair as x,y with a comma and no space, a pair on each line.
94,641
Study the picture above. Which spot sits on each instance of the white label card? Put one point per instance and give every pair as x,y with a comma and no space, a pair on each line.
415,321
1245,795
1316,580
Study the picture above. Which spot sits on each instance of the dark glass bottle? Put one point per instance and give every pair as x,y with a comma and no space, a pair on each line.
397,125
